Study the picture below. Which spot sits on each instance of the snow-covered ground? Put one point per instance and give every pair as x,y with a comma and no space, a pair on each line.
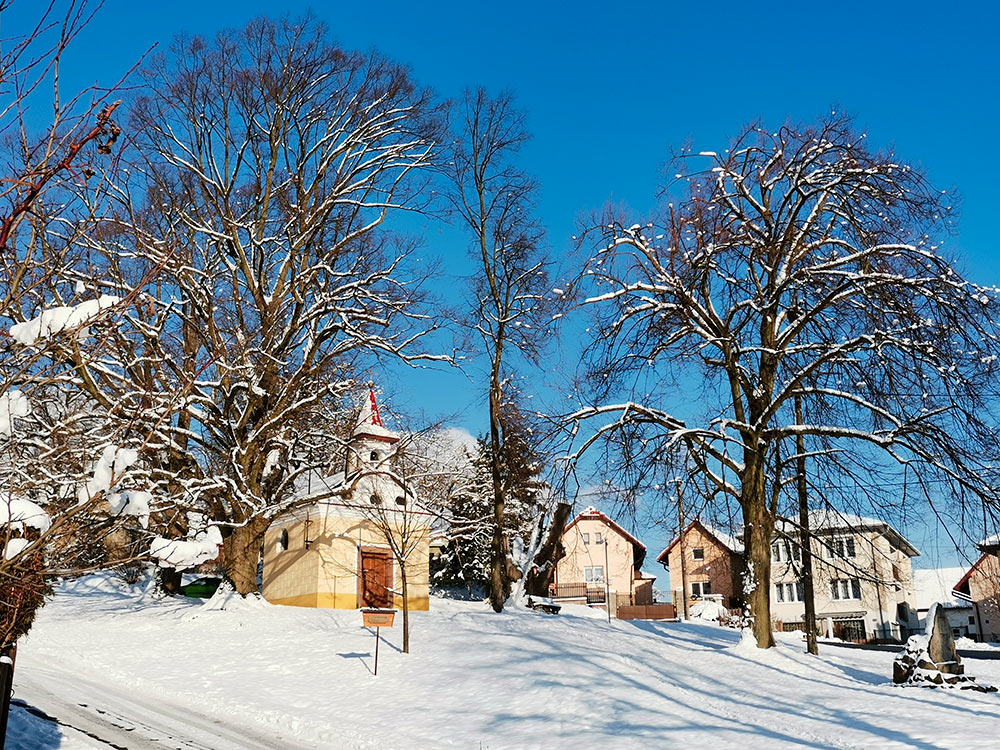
474,679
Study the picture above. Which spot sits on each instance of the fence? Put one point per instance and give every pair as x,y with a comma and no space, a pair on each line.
647,612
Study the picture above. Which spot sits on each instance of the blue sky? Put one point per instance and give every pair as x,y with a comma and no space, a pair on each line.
609,87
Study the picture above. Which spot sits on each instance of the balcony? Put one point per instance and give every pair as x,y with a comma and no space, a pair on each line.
590,593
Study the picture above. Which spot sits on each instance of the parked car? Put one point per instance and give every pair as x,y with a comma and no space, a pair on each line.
201,588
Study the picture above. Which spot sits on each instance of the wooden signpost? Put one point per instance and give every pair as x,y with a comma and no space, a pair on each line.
378,618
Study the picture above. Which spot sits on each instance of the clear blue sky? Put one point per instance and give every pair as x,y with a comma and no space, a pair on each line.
609,87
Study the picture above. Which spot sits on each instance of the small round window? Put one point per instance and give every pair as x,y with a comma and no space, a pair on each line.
376,500
283,540
400,500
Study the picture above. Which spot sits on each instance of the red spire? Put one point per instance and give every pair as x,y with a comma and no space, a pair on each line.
376,417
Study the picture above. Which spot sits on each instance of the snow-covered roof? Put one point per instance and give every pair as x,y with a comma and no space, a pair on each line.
831,519
990,541
728,541
934,585
731,542
593,513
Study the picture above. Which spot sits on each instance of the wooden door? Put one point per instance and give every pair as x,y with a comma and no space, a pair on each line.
376,578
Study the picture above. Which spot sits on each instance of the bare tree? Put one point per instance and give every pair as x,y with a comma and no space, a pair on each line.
804,264
269,161
494,200
50,439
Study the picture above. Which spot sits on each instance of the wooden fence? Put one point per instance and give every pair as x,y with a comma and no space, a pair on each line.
647,612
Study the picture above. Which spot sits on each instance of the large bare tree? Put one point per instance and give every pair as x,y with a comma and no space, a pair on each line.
802,264
268,163
494,200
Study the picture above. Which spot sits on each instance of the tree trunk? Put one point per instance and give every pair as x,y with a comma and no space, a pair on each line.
758,527
241,554
406,609
170,581
499,582
8,656
805,538
543,569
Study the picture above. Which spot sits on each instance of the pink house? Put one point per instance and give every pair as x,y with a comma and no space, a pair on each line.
601,559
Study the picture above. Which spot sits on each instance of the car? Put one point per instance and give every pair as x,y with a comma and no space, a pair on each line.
201,588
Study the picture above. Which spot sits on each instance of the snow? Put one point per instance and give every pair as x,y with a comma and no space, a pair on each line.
132,503
15,547
710,610
473,679
13,404
201,545
18,513
110,467
57,319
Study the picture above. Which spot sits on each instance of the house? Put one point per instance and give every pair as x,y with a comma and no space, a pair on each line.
338,552
935,586
713,566
980,587
601,559
862,577
862,574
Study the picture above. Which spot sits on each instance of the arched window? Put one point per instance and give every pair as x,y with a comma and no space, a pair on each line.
283,540
373,456
376,500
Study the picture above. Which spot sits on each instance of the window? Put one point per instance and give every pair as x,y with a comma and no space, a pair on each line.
594,574
701,588
586,538
698,553
597,538
845,588
373,456
972,620
842,547
400,500
375,500
283,540
902,612
783,551
790,592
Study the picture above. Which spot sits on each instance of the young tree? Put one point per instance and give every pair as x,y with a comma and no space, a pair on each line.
494,200
805,264
268,162
469,512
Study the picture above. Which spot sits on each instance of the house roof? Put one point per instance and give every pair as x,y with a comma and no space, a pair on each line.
726,540
968,574
935,585
830,519
592,513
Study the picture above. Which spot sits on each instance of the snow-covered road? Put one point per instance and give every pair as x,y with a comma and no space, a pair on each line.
93,713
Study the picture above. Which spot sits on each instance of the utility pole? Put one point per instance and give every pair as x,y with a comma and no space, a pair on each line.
680,522
607,577
805,538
